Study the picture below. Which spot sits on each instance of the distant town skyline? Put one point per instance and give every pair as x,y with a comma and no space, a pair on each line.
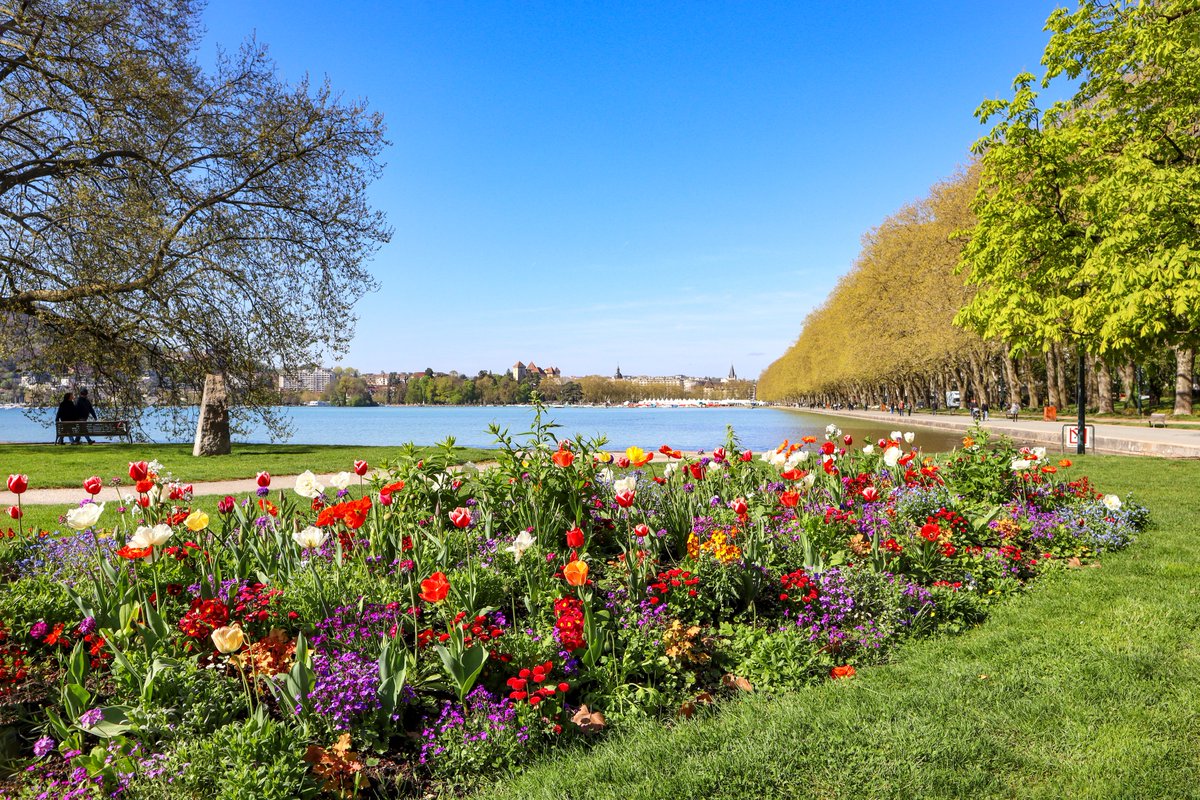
667,186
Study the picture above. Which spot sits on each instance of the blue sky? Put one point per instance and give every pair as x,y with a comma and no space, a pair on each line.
671,187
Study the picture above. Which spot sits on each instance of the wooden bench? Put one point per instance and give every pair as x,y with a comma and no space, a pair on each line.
110,428
1158,420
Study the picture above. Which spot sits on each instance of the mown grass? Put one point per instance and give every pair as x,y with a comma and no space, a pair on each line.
50,466
1088,686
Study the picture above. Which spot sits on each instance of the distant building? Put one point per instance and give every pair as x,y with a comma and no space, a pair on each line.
732,375
521,371
308,380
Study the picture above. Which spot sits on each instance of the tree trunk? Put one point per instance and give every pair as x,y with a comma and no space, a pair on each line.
1104,386
1185,358
1011,379
1052,396
1062,371
1128,382
212,429
1031,383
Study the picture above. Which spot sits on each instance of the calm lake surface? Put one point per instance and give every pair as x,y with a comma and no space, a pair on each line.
683,428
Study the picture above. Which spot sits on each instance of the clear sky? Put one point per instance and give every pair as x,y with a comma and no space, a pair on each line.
667,186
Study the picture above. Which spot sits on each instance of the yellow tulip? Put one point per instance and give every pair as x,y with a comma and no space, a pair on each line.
228,639
196,521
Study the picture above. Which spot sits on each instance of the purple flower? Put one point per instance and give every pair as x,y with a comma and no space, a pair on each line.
38,630
91,718
42,746
263,491
88,625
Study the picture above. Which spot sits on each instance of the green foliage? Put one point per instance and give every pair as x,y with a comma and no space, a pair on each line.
257,757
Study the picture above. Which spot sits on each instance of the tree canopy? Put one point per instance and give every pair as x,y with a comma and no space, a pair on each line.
160,221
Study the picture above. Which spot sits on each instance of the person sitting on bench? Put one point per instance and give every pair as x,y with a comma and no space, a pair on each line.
66,412
83,410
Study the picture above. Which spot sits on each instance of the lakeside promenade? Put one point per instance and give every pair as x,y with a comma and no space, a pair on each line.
1109,438
1112,439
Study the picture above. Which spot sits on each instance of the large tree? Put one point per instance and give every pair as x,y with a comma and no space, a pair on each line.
160,221
1089,210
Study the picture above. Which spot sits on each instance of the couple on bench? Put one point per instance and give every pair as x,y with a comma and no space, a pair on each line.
71,410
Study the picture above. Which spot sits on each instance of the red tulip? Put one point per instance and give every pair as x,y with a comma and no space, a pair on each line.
789,499
143,501
263,479
435,588
461,517
138,470
697,470
719,454
14,512
225,504
93,485
828,448
17,484
848,439
360,468
746,456
641,530
625,499
575,538
739,506
870,494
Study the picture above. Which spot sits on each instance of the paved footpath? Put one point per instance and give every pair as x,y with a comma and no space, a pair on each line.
1120,439
1109,438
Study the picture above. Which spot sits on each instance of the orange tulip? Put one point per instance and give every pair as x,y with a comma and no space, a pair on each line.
563,458
576,573
844,671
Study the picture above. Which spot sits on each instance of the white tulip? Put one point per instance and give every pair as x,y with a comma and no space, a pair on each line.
310,538
85,516
909,436
625,485
670,469
809,479
340,481
523,542
307,485
1112,502
891,456
606,475
1019,464
895,436
146,536
868,450
1039,452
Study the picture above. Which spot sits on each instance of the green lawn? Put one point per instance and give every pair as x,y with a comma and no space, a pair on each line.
1088,686
51,466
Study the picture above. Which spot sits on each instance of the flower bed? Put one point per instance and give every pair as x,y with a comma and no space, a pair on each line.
418,628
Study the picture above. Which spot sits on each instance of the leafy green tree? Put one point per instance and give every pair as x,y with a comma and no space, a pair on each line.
164,220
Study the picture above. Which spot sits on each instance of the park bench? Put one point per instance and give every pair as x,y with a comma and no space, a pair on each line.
1158,420
118,428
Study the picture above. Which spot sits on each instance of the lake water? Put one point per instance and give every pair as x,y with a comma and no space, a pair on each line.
683,428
